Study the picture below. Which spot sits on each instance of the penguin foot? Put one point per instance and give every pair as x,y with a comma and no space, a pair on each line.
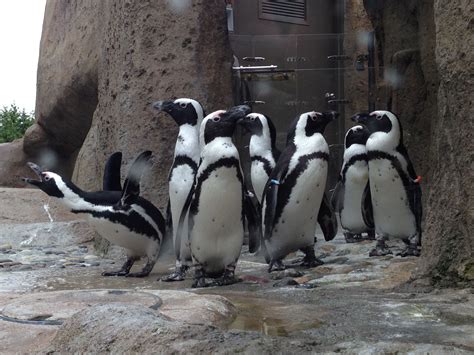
138,274
410,250
200,283
225,281
276,265
370,235
380,251
313,262
177,275
115,273
352,238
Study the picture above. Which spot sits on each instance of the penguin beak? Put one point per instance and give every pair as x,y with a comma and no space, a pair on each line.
163,105
38,171
238,112
360,117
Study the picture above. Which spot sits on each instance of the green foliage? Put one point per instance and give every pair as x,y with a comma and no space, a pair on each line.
14,123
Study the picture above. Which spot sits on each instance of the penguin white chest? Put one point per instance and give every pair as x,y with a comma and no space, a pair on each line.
392,214
296,227
357,176
180,183
136,244
259,178
217,232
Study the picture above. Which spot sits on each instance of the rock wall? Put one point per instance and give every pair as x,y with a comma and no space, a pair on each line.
101,65
427,70
449,247
153,50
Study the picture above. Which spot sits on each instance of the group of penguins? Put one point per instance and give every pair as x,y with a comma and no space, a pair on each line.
211,206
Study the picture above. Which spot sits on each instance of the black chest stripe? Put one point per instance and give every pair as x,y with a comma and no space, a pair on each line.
183,160
285,189
133,221
376,154
352,160
412,189
266,164
225,162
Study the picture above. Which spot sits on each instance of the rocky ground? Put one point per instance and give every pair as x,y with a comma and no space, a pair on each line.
53,298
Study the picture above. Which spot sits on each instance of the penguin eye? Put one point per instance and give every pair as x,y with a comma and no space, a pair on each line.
216,118
47,178
378,117
314,118
252,118
183,105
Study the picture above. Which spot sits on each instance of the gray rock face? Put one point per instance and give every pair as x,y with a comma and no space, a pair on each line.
449,220
101,65
429,47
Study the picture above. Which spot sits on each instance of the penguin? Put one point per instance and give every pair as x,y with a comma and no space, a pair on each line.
394,187
122,217
188,114
294,199
262,149
216,202
353,178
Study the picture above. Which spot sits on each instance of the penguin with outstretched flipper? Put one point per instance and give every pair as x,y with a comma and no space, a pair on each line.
122,217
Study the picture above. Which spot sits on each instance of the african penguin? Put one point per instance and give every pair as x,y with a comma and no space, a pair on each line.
122,217
395,190
216,203
347,196
294,199
262,149
188,114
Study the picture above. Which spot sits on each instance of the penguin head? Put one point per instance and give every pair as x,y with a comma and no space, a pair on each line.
222,123
378,121
47,181
310,123
385,130
183,111
356,135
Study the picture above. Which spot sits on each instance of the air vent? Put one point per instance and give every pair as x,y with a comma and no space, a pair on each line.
291,11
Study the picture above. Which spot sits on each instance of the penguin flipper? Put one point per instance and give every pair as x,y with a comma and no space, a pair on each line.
111,180
337,197
182,217
271,199
367,210
253,214
327,219
270,192
131,187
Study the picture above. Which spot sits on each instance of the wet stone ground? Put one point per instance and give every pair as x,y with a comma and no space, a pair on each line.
53,298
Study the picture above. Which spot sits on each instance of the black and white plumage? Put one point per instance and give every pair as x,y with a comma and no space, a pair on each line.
353,179
262,149
188,114
395,191
216,203
122,217
294,200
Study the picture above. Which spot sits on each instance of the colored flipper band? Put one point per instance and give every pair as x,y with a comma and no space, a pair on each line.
274,182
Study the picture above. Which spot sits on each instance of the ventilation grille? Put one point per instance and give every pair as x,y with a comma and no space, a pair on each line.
292,11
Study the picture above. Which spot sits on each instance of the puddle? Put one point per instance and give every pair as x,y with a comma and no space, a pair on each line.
271,317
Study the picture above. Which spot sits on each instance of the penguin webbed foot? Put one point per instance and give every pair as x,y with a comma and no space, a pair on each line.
138,274
410,250
125,269
310,260
380,249
228,278
179,274
352,238
276,265
115,273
